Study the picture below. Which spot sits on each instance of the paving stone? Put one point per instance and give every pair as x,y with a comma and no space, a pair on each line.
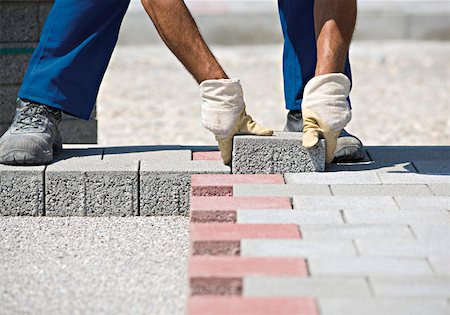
380,190
218,305
225,239
296,248
224,209
223,184
11,22
345,178
21,190
344,202
85,186
8,96
396,217
224,275
439,167
411,287
274,155
13,66
440,266
289,217
368,266
432,232
79,131
155,154
165,187
440,189
399,178
399,154
424,203
282,286
370,306
280,190
207,156
372,167
356,231
403,248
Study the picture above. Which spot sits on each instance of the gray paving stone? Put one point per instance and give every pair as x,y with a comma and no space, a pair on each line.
86,186
368,266
403,248
424,203
13,67
302,286
403,178
370,306
297,248
8,96
281,190
440,167
281,153
344,202
79,131
399,154
440,189
156,154
328,178
411,287
289,217
356,231
21,190
397,217
165,187
13,14
380,190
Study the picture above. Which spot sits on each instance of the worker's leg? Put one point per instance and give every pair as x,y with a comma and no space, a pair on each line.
76,44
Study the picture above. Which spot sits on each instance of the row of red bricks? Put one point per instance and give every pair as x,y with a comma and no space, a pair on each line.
216,269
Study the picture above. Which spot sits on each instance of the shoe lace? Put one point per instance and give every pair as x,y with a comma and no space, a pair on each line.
31,116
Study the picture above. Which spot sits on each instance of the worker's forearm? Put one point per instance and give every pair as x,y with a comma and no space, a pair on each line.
177,28
334,24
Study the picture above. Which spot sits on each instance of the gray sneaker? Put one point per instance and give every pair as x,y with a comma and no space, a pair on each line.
33,137
349,148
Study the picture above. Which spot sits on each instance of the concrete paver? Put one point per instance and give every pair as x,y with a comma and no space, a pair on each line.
346,178
344,203
380,190
400,217
411,287
281,190
423,203
440,189
290,217
356,231
403,248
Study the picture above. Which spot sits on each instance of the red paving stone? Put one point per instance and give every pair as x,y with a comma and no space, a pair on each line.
223,209
219,305
222,184
206,156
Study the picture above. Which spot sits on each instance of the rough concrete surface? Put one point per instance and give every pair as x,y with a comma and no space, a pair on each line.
93,266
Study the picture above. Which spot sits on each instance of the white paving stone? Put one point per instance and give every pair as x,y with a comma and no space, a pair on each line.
344,203
345,178
403,248
356,231
411,287
281,190
424,203
380,190
397,217
440,189
289,217
411,178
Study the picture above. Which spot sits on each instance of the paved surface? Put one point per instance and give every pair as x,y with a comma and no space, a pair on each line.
93,266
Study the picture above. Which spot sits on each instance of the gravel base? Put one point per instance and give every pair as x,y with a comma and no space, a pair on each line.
400,96
93,266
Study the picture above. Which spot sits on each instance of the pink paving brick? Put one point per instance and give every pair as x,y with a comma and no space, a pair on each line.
220,305
225,239
222,184
206,156
210,275
223,209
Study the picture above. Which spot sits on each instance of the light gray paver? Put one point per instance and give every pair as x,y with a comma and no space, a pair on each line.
275,154
345,178
165,187
21,190
305,286
399,217
440,266
370,306
84,186
412,178
289,217
296,248
403,248
440,189
380,190
356,231
344,202
432,232
368,266
424,203
411,287
281,190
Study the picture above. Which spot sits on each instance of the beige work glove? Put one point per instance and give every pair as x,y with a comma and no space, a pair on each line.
224,114
325,111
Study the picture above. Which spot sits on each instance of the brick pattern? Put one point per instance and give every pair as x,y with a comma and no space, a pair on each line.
368,241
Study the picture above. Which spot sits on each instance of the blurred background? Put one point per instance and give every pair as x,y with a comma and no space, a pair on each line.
400,58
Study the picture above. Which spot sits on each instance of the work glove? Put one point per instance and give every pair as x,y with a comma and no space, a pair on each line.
325,111
224,114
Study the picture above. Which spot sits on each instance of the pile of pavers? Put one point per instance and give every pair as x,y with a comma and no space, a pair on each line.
21,23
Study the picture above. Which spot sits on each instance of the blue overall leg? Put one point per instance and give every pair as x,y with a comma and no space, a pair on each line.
300,50
74,50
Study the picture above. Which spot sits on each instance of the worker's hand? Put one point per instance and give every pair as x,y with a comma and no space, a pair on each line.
224,114
325,111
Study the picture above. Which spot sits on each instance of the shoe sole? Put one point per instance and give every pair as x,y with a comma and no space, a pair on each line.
26,158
